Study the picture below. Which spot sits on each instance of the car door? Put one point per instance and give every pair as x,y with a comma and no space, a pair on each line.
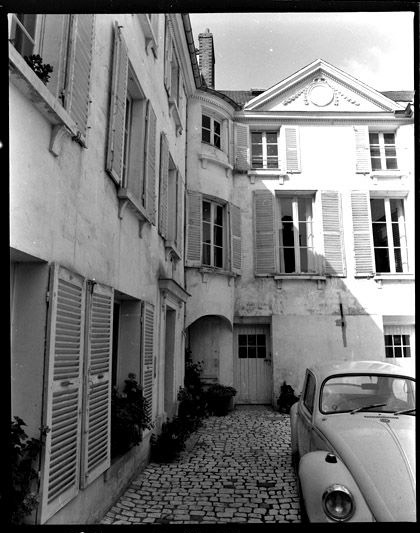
305,414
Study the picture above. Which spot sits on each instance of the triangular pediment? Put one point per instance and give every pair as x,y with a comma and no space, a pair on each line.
321,87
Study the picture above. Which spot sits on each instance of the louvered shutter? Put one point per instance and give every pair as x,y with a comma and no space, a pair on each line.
194,209
167,57
61,457
150,160
235,238
163,186
115,152
79,82
264,233
179,212
363,164
148,353
291,138
333,238
242,147
96,456
362,235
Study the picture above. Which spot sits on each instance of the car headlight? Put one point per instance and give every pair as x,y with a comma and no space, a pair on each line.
338,503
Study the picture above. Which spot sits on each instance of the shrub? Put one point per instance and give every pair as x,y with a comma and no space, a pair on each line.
219,398
129,416
42,71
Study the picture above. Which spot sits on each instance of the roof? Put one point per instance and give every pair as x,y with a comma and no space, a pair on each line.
323,370
243,97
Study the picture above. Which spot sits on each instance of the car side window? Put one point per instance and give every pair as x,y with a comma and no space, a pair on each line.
309,394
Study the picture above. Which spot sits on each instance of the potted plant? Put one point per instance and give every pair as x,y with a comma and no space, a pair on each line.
220,398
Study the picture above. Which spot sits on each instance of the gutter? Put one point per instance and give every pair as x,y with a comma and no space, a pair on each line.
192,50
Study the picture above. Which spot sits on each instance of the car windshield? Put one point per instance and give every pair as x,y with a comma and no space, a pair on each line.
369,392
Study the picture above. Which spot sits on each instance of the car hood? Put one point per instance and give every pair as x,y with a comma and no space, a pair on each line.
379,451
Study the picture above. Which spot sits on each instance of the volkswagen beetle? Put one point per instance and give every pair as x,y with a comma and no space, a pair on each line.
353,443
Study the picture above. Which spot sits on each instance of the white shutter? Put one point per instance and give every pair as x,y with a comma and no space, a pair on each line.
179,212
63,391
361,134
79,84
264,233
235,238
291,139
163,186
115,151
242,146
333,233
97,405
150,161
167,56
362,233
194,208
148,353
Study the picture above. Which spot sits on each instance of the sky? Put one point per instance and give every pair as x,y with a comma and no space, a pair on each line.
257,50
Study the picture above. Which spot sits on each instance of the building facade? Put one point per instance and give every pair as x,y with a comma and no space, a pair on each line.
151,214
300,228
97,226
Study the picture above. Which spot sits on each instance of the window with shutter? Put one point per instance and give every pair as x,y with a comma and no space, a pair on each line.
163,186
264,149
63,402
115,155
362,237
264,233
291,136
97,404
150,161
148,353
332,229
235,239
362,149
242,147
194,206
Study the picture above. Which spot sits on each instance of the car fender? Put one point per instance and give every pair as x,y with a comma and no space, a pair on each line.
316,475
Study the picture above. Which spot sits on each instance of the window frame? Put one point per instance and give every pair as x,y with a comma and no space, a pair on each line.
381,146
401,224
309,389
211,130
264,148
214,204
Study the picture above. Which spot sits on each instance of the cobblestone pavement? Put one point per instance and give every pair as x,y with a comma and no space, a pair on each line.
239,470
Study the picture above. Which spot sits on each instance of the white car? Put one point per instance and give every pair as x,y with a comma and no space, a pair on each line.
353,439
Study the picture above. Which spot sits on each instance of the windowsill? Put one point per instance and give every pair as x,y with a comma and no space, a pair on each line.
400,276
386,174
172,252
214,270
173,108
300,276
26,81
204,158
267,173
126,199
151,41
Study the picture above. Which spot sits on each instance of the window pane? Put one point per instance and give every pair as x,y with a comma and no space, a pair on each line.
219,215
396,234
261,353
391,164
376,164
271,137
388,340
217,141
205,136
252,340
257,162
397,340
375,151
218,257
397,351
389,352
205,122
218,235
206,254
390,151
272,162
407,352
382,260
272,150
303,236
406,340
389,138
242,340
256,137
261,340
289,259
380,236
377,207
257,150
374,138
206,211
217,127
286,207
395,206
304,260
206,232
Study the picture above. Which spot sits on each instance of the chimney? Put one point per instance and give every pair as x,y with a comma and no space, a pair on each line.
206,57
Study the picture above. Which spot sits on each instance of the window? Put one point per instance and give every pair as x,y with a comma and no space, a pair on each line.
65,42
265,149
210,131
383,155
213,234
175,78
397,346
309,394
296,247
389,236
252,346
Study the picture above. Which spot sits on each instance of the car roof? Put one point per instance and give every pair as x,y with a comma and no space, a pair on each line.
323,370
